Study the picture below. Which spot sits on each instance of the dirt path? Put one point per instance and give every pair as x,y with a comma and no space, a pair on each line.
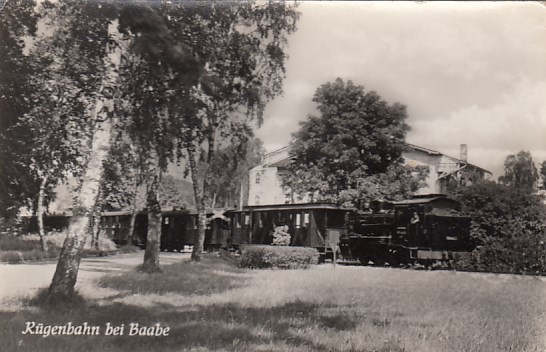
19,280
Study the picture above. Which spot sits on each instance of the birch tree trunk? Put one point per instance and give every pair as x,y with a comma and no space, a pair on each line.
134,208
153,242
66,273
134,212
40,212
199,191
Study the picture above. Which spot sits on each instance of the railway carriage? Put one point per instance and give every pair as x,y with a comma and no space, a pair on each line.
309,224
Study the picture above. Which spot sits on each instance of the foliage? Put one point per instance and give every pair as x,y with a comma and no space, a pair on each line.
508,227
17,20
229,169
277,257
243,45
357,135
396,183
175,193
543,174
281,237
520,171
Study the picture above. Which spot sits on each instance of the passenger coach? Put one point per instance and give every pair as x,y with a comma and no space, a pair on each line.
309,225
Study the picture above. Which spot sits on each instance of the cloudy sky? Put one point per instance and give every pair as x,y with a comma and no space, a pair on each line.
471,73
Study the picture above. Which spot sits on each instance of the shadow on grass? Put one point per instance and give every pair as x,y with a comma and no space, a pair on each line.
227,327
211,275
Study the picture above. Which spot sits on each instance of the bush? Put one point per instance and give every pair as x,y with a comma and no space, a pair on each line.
11,257
509,229
275,257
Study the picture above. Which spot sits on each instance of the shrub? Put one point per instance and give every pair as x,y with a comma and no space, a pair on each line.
11,257
276,257
281,237
509,229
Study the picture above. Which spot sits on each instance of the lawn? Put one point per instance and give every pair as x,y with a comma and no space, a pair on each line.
214,306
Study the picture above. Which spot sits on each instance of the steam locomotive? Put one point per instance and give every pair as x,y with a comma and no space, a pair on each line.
422,229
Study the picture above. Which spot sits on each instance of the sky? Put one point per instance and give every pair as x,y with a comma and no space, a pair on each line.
469,73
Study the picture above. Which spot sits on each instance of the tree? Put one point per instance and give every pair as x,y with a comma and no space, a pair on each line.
159,69
242,46
543,174
175,193
396,183
508,227
228,172
102,58
520,171
357,135
17,21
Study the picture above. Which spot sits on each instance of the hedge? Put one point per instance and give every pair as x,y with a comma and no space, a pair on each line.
277,257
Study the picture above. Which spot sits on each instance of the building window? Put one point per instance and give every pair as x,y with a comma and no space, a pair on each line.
257,200
258,176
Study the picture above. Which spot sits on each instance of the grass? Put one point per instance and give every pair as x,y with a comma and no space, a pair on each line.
26,248
213,274
215,306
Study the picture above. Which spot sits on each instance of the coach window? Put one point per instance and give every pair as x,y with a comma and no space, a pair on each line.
298,220
305,219
260,221
247,219
237,220
166,221
192,222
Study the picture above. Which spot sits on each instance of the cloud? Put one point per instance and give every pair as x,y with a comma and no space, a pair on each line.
469,73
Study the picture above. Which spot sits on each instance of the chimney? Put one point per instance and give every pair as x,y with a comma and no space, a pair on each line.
463,153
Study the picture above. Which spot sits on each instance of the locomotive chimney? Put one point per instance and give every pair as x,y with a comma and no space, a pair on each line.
464,155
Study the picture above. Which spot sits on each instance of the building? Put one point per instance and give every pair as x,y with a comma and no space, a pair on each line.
265,179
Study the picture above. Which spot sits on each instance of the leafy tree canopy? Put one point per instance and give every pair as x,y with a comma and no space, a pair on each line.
229,170
543,174
508,227
356,135
520,171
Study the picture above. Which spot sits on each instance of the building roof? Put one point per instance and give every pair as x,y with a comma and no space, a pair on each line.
434,152
284,160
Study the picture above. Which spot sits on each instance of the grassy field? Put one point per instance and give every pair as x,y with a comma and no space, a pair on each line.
26,248
214,306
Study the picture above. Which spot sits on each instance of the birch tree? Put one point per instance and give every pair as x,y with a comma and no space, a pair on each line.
242,47
160,69
86,60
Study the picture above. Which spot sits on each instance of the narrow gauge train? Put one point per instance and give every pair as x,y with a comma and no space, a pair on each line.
309,224
422,229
